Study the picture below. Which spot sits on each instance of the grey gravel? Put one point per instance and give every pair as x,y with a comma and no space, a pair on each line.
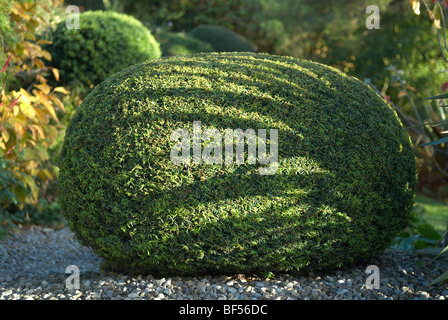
33,262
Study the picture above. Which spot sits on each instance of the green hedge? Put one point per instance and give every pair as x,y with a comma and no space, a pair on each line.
85,5
177,43
105,43
222,39
343,189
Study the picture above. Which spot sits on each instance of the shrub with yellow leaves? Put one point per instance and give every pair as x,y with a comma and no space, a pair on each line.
28,115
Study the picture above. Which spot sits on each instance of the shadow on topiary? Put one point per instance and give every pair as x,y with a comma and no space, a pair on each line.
343,189
222,39
106,42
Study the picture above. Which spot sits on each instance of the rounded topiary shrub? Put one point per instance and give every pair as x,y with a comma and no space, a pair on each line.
178,43
222,39
342,189
106,42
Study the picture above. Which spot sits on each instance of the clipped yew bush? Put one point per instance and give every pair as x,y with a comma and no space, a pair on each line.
342,191
222,39
106,42
178,43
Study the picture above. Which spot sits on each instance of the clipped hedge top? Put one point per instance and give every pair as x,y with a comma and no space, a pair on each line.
342,192
106,42
222,39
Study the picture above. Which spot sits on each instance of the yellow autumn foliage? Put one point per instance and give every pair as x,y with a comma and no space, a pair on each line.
28,116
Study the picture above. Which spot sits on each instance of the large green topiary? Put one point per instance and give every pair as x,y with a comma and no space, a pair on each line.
106,42
343,189
222,39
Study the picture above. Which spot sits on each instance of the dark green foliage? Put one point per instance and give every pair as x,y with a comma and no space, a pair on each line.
222,39
407,41
10,187
86,4
176,43
106,42
342,192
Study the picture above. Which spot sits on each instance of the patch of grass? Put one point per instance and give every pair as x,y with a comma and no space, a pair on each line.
436,212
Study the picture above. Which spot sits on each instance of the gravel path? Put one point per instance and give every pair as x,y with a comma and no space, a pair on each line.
33,264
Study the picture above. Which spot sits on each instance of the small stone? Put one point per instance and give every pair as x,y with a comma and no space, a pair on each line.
425,294
7,293
400,269
133,295
232,290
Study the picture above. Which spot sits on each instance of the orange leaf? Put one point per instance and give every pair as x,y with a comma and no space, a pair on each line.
42,115
55,73
402,94
39,63
45,88
412,88
39,130
43,41
50,109
61,90
57,101
46,55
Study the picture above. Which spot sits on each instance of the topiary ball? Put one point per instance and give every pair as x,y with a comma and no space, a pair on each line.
106,42
222,39
342,190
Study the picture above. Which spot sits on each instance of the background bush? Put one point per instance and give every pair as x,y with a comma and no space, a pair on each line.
175,43
105,43
222,39
342,192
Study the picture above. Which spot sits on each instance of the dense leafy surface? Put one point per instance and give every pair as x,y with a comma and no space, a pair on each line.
342,192
106,42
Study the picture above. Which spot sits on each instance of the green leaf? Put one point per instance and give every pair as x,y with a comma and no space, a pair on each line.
440,253
435,124
441,96
442,278
443,140
429,232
